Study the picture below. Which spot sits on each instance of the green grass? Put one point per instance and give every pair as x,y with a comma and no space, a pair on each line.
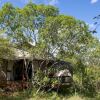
42,95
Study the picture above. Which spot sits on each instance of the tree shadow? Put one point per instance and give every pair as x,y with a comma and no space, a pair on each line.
20,95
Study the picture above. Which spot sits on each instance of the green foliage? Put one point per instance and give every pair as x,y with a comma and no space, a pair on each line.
43,81
40,78
54,36
4,47
31,95
66,35
88,84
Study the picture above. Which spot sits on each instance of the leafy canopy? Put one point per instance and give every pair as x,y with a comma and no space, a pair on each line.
41,30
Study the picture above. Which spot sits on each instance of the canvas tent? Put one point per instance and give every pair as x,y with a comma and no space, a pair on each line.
14,64
20,62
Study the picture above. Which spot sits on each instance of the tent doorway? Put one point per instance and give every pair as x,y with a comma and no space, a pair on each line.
18,69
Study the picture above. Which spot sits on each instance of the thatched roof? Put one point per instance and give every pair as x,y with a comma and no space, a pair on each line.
16,54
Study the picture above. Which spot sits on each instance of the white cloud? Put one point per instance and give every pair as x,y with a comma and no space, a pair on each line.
91,26
53,2
94,1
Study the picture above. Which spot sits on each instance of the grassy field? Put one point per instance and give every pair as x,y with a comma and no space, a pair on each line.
32,95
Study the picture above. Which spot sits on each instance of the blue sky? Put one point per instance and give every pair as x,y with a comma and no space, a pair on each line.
81,9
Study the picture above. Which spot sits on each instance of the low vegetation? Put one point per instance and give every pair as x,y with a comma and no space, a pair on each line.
42,31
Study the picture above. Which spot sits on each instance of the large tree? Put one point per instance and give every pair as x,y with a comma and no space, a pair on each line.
53,35
64,36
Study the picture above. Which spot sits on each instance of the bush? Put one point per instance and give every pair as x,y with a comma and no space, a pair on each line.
43,81
86,84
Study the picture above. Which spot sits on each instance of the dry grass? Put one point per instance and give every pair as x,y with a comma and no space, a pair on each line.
75,98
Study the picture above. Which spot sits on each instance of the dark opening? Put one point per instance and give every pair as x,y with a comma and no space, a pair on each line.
29,70
18,70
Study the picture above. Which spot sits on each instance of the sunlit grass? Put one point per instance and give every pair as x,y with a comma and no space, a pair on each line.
42,95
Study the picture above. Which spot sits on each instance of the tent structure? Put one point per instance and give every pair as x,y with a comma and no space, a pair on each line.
21,65
14,65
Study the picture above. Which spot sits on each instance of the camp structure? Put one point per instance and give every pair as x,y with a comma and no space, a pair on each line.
22,66
55,69
15,66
